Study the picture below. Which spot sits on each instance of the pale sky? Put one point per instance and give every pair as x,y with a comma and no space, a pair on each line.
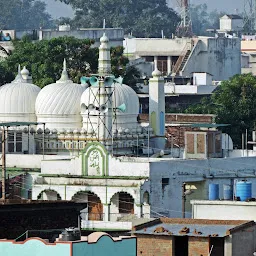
58,9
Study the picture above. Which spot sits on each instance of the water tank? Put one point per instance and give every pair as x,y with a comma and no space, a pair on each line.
243,190
227,192
71,234
65,27
213,191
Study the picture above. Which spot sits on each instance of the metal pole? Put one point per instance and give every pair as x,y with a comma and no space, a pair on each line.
246,141
3,163
43,139
243,143
148,141
183,200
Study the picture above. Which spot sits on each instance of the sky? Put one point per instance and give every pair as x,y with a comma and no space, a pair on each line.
58,9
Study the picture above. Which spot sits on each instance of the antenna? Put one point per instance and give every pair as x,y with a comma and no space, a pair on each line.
184,29
249,16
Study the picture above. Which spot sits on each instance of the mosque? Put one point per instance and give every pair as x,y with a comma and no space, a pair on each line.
82,138
84,142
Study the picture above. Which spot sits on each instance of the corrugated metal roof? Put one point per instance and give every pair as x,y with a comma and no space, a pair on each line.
195,230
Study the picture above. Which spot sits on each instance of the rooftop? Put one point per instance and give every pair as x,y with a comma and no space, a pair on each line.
191,227
222,202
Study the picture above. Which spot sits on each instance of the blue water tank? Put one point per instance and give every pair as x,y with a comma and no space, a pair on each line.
244,190
227,192
213,191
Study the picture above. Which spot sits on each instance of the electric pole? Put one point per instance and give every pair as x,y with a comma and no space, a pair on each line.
3,163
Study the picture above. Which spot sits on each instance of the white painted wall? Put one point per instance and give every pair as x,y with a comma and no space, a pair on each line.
106,224
155,46
220,57
28,161
223,210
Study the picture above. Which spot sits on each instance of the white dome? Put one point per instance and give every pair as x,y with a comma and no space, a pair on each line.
17,101
123,94
58,104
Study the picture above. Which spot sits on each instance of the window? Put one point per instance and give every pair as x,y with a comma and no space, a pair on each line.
165,182
18,142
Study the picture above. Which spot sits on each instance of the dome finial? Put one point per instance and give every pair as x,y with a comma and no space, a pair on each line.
64,65
156,73
64,75
18,78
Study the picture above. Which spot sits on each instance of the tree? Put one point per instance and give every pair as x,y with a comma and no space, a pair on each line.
203,20
24,14
144,18
45,58
233,103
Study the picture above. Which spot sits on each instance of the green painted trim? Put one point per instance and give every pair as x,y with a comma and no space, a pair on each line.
95,177
103,152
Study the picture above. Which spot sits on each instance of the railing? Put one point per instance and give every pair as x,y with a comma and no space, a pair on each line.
181,57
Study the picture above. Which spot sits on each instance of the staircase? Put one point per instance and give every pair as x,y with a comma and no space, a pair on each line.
182,60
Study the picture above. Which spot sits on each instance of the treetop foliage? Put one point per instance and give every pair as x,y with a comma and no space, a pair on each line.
24,14
142,18
44,59
233,103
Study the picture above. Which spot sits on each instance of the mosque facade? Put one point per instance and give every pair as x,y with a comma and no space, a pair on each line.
83,138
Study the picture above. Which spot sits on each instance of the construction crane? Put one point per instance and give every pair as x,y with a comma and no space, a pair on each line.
184,28
249,16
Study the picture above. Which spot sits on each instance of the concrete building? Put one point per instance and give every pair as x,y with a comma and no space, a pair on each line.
195,237
248,49
167,177
223,210
25,218
230,23
220,57
96,244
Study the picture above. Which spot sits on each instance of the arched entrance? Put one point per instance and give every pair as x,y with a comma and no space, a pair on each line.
121,206
48,194
146,205
94,210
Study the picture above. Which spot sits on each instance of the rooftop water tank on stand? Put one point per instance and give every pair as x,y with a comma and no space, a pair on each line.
214,191
243,190
227,192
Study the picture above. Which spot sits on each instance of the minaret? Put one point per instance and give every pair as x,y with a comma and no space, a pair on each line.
100,95
104,67
157,108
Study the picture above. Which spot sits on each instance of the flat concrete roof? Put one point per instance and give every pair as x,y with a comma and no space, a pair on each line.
222,202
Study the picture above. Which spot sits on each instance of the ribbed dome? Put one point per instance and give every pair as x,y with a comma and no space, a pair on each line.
123,94
58,104
17,101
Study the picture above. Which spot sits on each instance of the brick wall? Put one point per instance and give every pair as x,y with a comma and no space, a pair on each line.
198,246
151,245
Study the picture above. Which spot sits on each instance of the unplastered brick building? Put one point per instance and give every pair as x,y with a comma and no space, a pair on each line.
192,237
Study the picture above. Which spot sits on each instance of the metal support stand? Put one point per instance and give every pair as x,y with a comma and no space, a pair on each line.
183,200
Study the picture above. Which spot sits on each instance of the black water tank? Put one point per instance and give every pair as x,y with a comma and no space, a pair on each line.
71,234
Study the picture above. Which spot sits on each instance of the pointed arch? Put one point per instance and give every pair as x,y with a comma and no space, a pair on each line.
94,210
